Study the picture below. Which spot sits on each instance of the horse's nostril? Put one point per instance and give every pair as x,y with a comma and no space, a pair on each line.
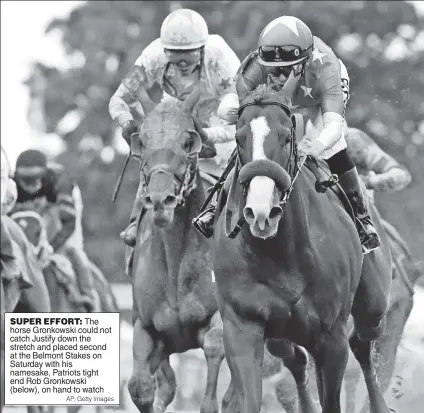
248,214
275,213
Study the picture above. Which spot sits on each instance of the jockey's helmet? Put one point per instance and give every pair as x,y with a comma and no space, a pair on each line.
184,29
31,167
286,41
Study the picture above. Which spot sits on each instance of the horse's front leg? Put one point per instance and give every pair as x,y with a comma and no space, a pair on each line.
166,385
147,354
244,350
211,341
362,350
295,359
331,356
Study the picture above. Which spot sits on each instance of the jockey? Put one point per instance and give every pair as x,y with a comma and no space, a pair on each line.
379,171
287,48
184,55
35,179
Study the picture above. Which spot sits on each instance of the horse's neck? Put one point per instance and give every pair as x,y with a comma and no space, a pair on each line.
174,240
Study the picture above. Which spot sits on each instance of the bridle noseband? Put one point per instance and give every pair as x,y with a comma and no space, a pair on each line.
187,179
293,166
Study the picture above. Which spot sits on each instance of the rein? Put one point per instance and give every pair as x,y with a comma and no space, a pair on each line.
293,167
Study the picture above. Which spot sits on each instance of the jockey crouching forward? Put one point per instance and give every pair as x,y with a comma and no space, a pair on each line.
184,55
379,171
35,180
287,48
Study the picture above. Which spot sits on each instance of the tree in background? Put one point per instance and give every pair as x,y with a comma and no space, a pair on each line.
381,44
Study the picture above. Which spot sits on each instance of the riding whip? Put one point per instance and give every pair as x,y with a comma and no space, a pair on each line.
121,177
222,178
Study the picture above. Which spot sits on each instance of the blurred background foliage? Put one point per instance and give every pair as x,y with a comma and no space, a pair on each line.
380,42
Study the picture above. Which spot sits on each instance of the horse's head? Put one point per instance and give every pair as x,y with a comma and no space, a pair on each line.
266,145
169,143
33,226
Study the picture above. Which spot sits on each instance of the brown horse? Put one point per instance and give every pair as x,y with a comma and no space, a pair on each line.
405,274
26,292
292,277
174,306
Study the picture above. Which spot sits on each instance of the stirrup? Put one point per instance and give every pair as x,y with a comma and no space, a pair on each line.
204,221
369,241
129,239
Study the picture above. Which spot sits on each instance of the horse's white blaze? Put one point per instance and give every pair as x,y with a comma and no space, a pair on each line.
260,130
261,188
259,198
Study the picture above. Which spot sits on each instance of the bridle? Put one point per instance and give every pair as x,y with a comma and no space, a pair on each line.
187,180
293,166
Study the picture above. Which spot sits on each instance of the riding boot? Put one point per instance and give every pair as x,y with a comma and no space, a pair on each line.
129,235
368,235
204,222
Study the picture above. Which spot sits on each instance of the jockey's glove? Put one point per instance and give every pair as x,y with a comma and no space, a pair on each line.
310,147
128,129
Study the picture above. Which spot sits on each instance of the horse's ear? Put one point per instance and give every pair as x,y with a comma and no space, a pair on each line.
289,87
198,145
195,142
199,129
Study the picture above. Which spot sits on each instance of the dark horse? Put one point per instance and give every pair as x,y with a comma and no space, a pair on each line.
174,304
295,272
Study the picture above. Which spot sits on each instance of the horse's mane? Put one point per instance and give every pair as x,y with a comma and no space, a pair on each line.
173,106
261,93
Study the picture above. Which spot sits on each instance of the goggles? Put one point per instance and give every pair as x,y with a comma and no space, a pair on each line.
30,172
183,58
282,54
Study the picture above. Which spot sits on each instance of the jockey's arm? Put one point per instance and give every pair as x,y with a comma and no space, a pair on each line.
332,109
332,131
387,175
228,108
227,111
61,194
126,98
